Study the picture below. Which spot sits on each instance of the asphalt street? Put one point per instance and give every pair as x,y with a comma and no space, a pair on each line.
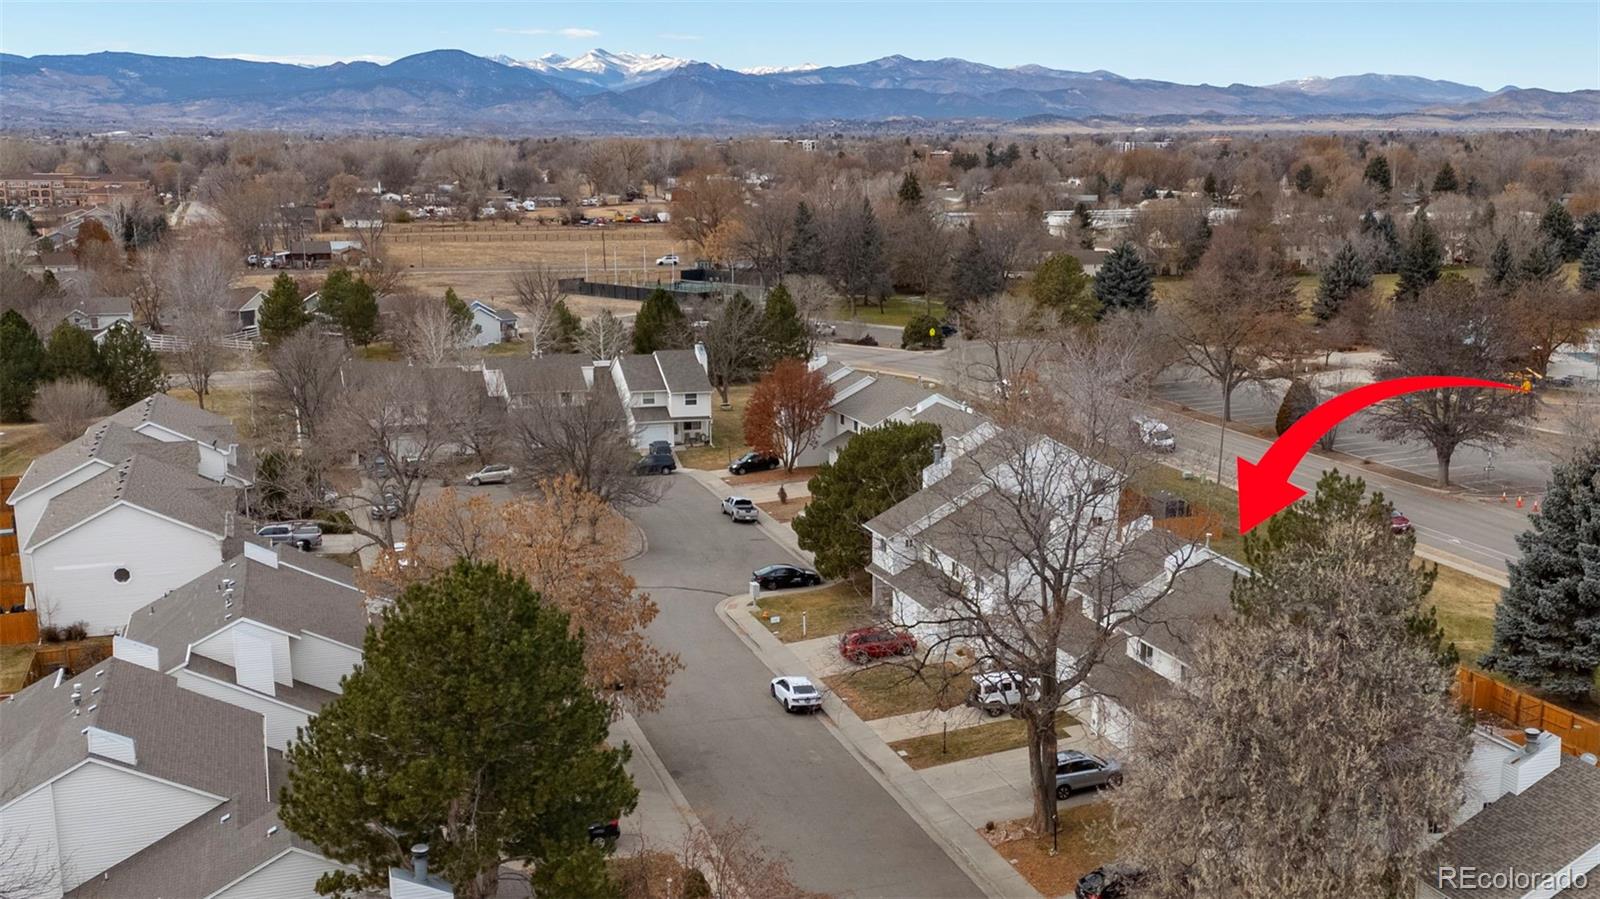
735,753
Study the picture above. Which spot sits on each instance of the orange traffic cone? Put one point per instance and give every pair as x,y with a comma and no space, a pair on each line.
1519,502
1502,496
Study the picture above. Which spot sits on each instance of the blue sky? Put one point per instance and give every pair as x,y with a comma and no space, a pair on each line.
1553,45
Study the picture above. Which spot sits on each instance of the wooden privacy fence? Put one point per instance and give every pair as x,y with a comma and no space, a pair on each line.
1484,694
13,591
74,657
19,628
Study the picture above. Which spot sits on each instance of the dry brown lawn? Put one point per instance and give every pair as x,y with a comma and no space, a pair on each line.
886,689
21,443
1085,840
833,609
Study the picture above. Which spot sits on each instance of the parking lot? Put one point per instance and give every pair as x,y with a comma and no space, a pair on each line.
1522,469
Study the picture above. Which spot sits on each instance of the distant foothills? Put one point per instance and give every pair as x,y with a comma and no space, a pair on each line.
600,91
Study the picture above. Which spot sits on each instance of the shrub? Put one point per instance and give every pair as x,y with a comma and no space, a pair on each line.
1299,399
77,630
923,332
49,633
69,405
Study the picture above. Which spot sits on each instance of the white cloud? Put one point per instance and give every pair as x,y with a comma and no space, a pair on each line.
564,32
313,59
674,36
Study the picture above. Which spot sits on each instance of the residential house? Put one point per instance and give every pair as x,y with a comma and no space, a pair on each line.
270,630
566,379
123,537
138,505
242,306
862,401
490,325
1529,827
96,314
667,396
933,560
121,784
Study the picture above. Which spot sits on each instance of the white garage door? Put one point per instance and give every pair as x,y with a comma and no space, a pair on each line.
653,432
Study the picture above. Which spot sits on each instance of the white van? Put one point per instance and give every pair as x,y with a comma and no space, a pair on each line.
1154,433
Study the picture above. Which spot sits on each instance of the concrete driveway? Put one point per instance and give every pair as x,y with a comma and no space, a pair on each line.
734,753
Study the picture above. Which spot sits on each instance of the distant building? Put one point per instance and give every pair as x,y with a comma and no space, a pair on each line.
67,189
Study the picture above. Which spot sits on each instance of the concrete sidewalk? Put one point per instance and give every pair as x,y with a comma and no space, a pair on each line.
947,825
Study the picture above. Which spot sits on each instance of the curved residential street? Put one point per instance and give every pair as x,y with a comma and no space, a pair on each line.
734,753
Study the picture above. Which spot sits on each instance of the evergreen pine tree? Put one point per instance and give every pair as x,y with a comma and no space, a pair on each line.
1377,172
1299,399
660,324
1344,275
460,312
281,313
1080,217
1558,229
910,193
1209,185
565,329
1547,625
1421,260
340,284
878,468
1589,265
975,273
781,328
23,365
132,370
1543,262
1304,177
509,735
1588,228
1501,274
73,354
1125,281
358,315
1383,242
806,254
1060,286
1445,182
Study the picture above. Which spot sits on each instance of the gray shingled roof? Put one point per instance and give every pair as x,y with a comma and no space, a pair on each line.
641,373
1115,675
952,422
178,735
108,443
180,417
922,582
238,297
882,398
103,306
299,694
295,597
560,373
1543,829
682,371
1200,596
146,482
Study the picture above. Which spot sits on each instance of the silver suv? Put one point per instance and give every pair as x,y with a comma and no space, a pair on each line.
1081,771
491,474
301,534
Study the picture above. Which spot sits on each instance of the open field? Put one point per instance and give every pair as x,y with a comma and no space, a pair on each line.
896,311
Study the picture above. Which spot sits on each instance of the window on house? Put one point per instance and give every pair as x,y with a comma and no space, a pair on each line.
691,426
121,575
1183,673
566,398
691,399
883,544
841,421
647,399
1147,653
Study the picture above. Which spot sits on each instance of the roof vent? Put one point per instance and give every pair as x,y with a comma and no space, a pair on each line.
272,830
1589,758
1531,735
226,817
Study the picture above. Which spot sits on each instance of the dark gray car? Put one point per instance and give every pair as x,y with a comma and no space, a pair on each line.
1077,771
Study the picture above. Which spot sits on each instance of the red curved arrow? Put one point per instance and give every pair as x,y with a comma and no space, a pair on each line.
1264,487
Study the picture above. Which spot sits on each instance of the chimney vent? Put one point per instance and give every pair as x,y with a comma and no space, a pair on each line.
1532,735
1589,758
419,862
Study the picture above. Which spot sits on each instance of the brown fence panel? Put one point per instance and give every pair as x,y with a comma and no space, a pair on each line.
1486,695
19,628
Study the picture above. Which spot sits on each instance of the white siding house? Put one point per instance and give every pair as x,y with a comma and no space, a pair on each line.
666,396
490,325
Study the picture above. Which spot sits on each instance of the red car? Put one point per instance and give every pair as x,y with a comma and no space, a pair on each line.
864,644
1399,524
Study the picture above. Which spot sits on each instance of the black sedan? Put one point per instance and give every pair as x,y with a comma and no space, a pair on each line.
779,577
753,461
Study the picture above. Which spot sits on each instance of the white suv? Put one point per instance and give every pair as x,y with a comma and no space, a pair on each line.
491,474
739,509
669,259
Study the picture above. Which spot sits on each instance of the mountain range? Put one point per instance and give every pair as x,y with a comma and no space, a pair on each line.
600,91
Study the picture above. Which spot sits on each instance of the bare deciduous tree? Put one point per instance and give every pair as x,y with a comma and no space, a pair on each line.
305,377
732,339
69,405
15,243
604,337
196,284
538,290
589,440
425,329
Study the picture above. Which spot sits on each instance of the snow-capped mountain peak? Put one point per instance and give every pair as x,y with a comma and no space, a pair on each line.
603,68
780,70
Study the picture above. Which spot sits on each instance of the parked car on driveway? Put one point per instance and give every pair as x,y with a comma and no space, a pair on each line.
796,693
606,833
1155,434
660,448
753,461
779,577
996,692
491,474
655,463
301,534
739,509
1399,524
669,259
864,644
1081,771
